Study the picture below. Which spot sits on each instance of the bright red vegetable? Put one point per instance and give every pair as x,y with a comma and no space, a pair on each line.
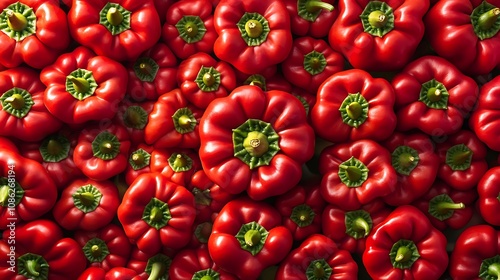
488,190
150,266
134,116
311,17
178,165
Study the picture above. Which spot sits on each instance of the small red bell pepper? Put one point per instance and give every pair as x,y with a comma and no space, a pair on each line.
462,159
23,114
86,204
102,152
150,266
247,237
432,95
349,229
406,246
255,141
189,28
202,78
311,17
416,163
134,116
378,35
173,122
253,35
156,212
120,30
33,32
318,257
488,190
178,165
139,162
311,61
83,86
200,233
476,254
356,173
465,33
115,273
352,105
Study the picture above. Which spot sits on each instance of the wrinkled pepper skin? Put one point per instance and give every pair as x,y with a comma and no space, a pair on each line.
308,22
488,190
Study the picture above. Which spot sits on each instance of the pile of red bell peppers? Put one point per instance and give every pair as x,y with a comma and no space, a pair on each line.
255,139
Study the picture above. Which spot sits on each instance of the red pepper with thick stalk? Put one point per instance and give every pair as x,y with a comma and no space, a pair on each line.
134,116
311,17
139,162
150,266
488,190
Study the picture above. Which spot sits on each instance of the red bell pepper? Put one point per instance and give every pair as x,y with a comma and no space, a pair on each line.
38,250
317,257
23,114
406,246
311,17
139,162
465,33
162,7
307,98
311,61
8,145
488,190
202,78
356,173
33,32
378,35
120,30
83,86
352,105
416,163
115,273
476,254
269,80
102,152
189,28
150,266
178,165
247,237
462,159
255,141
156,212
200,233
253,35
173,122
134,116
86,204
349,229
432,95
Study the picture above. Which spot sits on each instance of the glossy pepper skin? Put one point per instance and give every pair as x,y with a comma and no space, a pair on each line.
139,162
23,114
378,35
179,165
476,254
83,86
406,246
310,17
352,105
120,30
462,33
116,273
488,190
356,173
262,39
317,257
432,95
38,43
133,116
150,266
255,141
247,237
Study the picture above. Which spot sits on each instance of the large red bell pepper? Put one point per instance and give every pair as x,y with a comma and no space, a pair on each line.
311,17
488,190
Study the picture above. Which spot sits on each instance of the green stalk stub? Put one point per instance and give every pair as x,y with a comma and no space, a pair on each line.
310,9
252,237
318,270
184,120
6,192
353,173
95,250
442,207
404,160
202,197
180,162
18,21
157,267
17,102
256,80
81,84
203,231
33,267
459,157
87,198
145,68
255,142
314,62
254,28
208,79
358,224
485,20
115,18
434,94
403,254
377,18
106,146
207,274
191,29
302,215
490,268
135,117
54,148
156,213
354,110
139,159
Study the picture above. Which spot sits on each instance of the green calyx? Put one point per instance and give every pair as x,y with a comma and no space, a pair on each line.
459,157
318,270
184,120
404,160
81,84
256,80
254,28
106,146
156,213
490,268
485,20
33,266
377,18
208,79
206,274
314,62
255,142
115,18
310,9
403,254
18,21
302,215
17,102
434,94
87,198
9,196
135,117
157,267
442,207
202,197
145,68
353,173
354,110
252,237
55,148
203,231
96,250
180,162
139,159
358,223
191,29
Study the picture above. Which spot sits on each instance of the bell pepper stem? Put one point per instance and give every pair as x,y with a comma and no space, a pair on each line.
494,270
313,6
445,206
4,195
157,271
252,237
16,21
354,110
81,85
377,19
353,173
146,68
208,79
487,19
16,101
54,147
434,94
96,250
319,270
403,254
32,267
114,16
156,214
253,28
361,225
86,198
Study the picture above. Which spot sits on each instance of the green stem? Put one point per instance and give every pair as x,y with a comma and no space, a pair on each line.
114,16
158,270
403,254
354,110
4,195
353,173
361,225
32,267
434,94
252,237
494,270
106,147
488,19
81,85
16,101
156,214
313,6
96,251
446,206
377,19
253,28
16,21
185,121
86,198
256,144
